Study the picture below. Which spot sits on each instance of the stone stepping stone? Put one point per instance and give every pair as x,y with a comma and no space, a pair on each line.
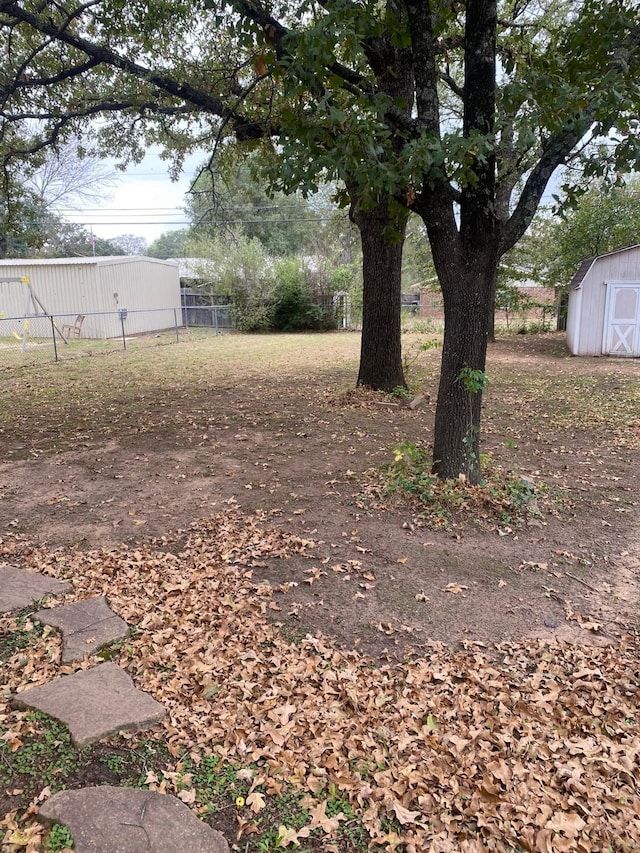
18,589
95,703
86,625
128,820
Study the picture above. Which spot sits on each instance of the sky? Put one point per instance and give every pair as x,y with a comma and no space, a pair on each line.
144,202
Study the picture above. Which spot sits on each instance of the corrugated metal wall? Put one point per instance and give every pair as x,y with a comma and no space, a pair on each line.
139,284
68,287
62,288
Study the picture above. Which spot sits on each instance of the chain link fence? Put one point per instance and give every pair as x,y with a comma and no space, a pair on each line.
220,318
43,338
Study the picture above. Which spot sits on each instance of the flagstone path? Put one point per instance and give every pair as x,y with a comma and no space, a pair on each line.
93,704
19,589
86,626
128,820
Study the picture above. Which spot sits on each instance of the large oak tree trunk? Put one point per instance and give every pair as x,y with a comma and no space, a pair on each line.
382,235
492,313
468,278
467,307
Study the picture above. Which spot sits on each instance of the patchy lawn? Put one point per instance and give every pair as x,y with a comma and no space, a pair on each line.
349,653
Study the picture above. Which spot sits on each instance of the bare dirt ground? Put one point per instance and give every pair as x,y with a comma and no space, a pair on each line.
294,445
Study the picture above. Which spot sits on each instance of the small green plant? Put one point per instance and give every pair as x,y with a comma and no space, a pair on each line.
46,756
430,344
24,635
410,472
295,634
337,803
475,381
412,353
400,393
59,839
521,492
501,496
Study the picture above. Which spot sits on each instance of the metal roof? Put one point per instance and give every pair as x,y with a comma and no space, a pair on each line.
93,261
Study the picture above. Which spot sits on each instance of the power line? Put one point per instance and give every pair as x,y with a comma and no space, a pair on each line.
80,210
97,223
106,210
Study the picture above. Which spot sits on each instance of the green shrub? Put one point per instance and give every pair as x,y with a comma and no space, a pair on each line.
293,307
256,317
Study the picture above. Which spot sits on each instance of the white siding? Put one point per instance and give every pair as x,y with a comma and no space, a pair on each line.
72,286
574,312
620,266
60,288
586,316
594,295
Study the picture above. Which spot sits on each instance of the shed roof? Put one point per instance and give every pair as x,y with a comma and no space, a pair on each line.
586,265
581,272
98,260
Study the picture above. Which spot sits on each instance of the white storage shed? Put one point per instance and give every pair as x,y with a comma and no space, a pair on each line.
603,316
95,288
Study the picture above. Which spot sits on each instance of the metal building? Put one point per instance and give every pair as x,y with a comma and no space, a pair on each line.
603,316
98,289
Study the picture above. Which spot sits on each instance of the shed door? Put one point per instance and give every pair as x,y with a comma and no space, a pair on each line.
622,330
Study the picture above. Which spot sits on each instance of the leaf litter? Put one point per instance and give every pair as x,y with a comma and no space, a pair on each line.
529,746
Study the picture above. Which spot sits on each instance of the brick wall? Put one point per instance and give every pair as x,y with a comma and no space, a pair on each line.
431,304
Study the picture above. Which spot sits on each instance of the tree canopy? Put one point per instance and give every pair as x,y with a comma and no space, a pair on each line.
604,219
69,240
170,244
33,188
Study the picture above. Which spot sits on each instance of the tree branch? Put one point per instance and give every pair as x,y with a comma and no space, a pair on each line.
554,154
244,128
59,122
560,147
25,82
451,83
277,34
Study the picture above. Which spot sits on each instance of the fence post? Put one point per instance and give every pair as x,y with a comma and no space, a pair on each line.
175,323
123,315
53,335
